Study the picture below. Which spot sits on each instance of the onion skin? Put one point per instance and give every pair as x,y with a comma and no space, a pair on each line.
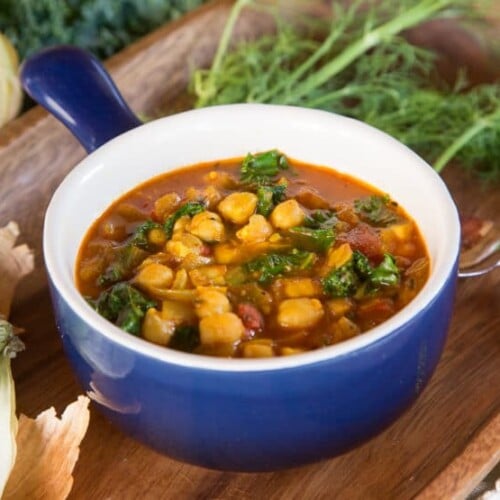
11,94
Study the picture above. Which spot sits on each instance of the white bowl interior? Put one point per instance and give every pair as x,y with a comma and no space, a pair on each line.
216,133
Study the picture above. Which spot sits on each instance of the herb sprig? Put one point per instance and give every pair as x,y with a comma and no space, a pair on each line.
364,69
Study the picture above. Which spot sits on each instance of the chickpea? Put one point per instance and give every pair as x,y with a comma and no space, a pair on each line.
300,287
181,224
257,230
208,226
258,348
287,214
210,301
178,312
221,328
183,244
157,237
299,313
153,277
211,275
166,204
212,195
339,307
238,207
157,329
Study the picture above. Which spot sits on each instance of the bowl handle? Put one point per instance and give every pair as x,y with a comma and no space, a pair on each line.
74,86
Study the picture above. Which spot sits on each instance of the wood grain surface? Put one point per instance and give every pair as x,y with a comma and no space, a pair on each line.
462,397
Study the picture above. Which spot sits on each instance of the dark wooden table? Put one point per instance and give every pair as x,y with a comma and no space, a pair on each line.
463,395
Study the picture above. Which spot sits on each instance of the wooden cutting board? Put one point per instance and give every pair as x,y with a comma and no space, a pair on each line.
463,396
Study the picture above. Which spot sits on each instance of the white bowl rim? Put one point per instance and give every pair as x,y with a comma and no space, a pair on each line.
69,293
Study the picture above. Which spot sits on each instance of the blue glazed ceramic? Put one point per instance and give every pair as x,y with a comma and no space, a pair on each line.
241,415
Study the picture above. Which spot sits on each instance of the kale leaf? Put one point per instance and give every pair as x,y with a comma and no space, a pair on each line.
139,237
124,306
321,219
315,240
342,282
190,208
101,26
185,338
268,197
261,168
376,210
347,279
267,267
386,273
125,259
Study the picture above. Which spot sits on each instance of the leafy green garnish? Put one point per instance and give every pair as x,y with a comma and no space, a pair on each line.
315,240
343,282
321,219
123,305
268,197
347,279
140,236
263,167
190,208
263,269
125,259
128,255
375,210
386,273
185,338
363,68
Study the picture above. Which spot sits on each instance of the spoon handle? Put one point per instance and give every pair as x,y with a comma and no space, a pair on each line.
74,86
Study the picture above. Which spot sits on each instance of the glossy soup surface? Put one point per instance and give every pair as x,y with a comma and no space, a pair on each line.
255,257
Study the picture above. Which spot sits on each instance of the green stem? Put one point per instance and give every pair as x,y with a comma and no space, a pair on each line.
477,127
339,24
210,87
417,14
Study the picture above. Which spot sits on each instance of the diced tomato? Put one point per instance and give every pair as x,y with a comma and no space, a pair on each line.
250,316
365,239
205,251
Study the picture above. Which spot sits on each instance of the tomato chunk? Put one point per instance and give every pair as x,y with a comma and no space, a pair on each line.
251,316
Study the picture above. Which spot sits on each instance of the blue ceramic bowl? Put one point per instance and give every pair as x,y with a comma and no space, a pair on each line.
241,415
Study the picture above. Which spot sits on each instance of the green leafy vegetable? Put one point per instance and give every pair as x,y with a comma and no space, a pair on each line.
140,236
190,208
315,240
386,273
263,167
343,282
123,305
264,269
361,67
349,278
102,26
321,219
10,345
361,264
129,255
126,258
268,197
185,338
376,210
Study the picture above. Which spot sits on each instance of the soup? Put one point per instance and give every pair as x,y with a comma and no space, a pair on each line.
255,257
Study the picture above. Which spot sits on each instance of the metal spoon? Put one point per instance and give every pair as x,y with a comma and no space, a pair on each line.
490,248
